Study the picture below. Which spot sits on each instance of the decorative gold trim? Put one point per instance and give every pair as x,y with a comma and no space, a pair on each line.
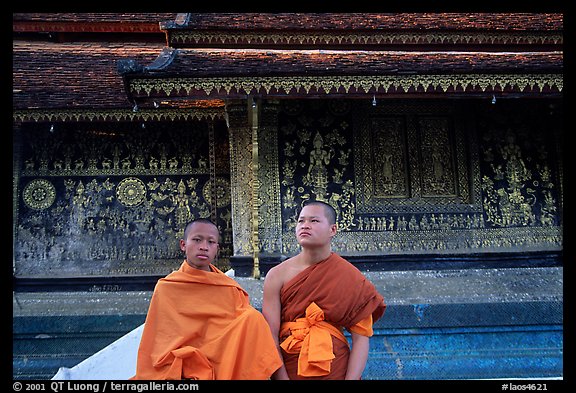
348,84
269,194
37,115
254,120
454,241
217,37
240,135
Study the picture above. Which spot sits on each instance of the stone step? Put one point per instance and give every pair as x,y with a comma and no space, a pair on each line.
449,324
466,353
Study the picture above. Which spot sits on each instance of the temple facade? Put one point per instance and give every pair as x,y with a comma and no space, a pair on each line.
437,137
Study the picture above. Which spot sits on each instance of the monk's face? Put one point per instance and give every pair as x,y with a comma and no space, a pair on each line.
313,228
201,245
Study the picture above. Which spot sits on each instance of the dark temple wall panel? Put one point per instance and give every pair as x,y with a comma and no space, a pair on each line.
414,157
112,199
520,165
426,176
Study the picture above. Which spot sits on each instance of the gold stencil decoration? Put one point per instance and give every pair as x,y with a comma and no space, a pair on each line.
222,192
131,192
39,194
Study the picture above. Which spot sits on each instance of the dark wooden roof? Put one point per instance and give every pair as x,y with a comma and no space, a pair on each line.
367,21
305,54
267,62
69,60
93,17
364,30
89,22
73,75
111,60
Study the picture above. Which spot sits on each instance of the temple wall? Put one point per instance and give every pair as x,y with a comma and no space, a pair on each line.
112,199
412,177
407,177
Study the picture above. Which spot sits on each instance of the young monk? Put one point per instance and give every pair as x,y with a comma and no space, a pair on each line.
309,299
200,324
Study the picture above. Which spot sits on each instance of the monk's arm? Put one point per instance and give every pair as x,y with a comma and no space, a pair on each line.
358,356
271,309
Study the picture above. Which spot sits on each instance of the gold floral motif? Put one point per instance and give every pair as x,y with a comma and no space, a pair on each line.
221,192
131,191
39,194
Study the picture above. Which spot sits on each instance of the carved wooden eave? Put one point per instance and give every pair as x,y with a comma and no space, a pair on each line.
351,55
200,112
197,73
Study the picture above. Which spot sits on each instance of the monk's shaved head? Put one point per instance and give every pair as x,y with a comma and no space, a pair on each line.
328,209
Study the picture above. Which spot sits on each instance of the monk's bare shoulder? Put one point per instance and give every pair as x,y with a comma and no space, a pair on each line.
279,269
287,270
282,272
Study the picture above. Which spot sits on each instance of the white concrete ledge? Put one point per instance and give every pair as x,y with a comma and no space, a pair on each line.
117,361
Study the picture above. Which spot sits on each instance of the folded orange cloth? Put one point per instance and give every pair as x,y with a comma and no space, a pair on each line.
200,325
311,338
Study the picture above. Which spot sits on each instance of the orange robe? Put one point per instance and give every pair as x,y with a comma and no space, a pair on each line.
200,325
317,304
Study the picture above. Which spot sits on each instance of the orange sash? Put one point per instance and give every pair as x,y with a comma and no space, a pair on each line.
311,336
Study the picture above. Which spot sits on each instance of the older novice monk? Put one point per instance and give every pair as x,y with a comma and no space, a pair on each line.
200,324
311,297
